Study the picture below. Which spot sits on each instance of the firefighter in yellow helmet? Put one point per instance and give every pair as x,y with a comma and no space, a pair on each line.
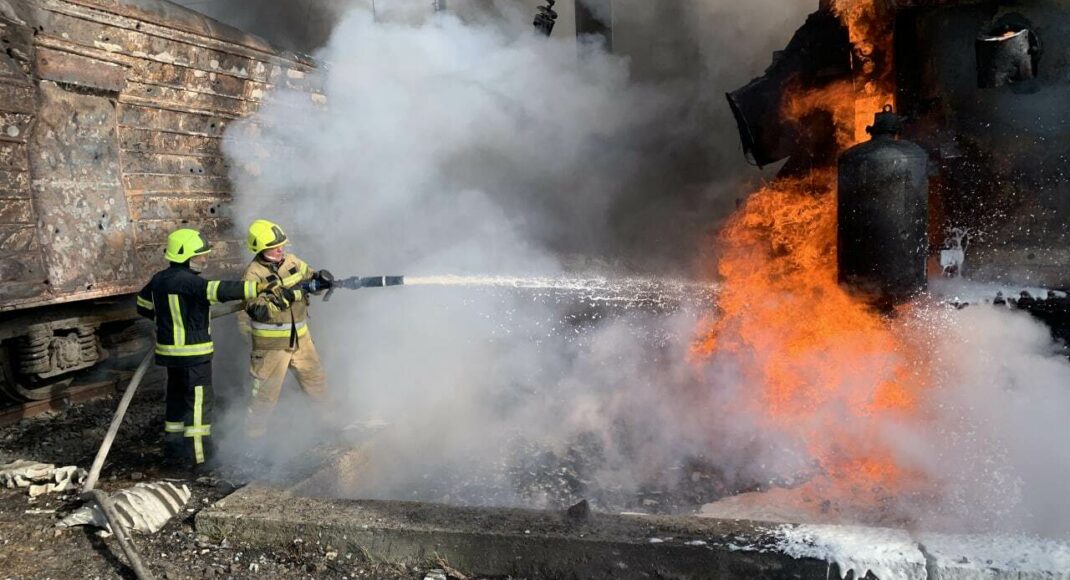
278,324
178,300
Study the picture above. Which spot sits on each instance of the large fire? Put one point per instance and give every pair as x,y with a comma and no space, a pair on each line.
825,367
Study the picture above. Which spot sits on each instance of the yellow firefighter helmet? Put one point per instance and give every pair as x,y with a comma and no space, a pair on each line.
264,235
184,244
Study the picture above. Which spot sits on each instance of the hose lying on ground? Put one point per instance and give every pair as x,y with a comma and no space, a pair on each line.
126,543
116,421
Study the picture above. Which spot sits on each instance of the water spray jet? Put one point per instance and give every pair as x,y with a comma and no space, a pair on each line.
657,292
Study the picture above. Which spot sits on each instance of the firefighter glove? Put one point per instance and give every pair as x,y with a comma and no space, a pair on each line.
260,312
269,285
282,297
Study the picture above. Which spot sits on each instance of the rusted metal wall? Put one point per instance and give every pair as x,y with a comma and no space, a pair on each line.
111,118
22,270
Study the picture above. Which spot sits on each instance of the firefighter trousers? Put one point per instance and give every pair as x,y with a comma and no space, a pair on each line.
188,413
268,369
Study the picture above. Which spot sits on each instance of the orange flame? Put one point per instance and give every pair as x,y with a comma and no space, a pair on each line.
824,366
869,28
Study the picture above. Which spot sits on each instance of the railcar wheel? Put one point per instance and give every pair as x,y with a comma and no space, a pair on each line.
19,389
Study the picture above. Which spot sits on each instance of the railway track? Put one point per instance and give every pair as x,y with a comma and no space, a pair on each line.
126,349
78,393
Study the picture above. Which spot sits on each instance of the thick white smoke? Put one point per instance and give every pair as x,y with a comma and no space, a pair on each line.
981,449
998,442
463,143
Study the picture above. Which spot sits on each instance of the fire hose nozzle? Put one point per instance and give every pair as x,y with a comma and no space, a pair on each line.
358,282
380,281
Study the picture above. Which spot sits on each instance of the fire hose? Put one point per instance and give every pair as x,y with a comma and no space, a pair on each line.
126,543
113,429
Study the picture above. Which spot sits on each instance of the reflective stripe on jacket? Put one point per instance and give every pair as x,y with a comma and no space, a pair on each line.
268,330
179,301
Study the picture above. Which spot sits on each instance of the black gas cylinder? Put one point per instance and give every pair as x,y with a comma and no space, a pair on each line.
882,222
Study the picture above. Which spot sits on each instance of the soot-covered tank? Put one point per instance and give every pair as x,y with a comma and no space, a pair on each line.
882,213
111,118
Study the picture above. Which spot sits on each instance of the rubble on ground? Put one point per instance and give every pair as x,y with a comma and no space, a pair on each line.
33,547
40,478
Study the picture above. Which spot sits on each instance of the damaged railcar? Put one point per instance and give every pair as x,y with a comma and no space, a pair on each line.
111,118
982,87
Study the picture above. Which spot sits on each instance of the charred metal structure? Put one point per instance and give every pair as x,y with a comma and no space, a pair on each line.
111,118
545,17
818,54
993,116
984,87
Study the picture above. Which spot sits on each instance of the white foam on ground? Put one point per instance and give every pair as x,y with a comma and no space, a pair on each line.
967,291
889,554
893,554
990,556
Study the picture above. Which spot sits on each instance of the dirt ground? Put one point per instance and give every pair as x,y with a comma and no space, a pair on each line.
32,547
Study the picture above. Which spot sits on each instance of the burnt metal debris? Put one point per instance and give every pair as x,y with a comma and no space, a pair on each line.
111,118
1005,58
818,54
545,18
1008,52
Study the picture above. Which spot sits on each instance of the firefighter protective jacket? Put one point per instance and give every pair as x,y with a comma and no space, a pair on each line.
179,300
270,326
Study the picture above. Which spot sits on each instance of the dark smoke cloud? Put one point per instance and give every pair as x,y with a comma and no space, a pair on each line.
297,25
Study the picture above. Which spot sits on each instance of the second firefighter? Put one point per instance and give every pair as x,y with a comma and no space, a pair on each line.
178,299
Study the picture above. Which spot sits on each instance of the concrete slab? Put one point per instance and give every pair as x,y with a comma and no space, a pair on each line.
500,542
539,544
